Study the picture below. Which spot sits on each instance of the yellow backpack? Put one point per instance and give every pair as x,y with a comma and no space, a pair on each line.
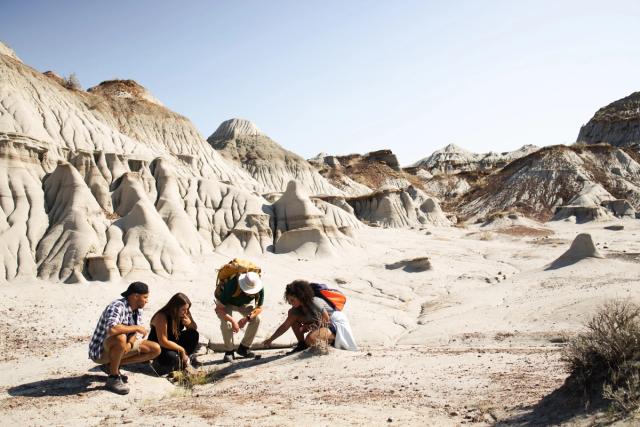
232,269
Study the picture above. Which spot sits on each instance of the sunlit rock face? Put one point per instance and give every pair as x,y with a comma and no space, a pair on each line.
617,124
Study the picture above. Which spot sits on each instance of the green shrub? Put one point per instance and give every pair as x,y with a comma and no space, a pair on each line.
605,359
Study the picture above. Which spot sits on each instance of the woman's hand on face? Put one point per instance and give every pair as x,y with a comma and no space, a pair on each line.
186,320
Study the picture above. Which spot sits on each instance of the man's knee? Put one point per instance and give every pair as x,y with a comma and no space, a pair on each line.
117,342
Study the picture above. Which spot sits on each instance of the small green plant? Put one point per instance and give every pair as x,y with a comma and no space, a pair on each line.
605,359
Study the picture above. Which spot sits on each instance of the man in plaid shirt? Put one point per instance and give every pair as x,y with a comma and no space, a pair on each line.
115,343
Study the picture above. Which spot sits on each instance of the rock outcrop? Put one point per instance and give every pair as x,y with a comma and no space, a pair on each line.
359,175
23,218
617,124
582,247
395,208
552,177
453,159
302,228
241,142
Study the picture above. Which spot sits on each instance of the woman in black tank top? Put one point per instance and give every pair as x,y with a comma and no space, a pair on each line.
175,330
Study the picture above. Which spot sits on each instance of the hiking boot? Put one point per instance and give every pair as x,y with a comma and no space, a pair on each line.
106,370
228,357
116,385
245,352
300,347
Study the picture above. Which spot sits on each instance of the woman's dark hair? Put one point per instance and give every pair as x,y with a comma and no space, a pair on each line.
302,290
171,310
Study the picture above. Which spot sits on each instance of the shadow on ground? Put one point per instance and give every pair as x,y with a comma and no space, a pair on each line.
562,406
239,365
65,386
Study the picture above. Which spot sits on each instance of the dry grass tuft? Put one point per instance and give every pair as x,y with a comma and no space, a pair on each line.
605,360
321,346
189,378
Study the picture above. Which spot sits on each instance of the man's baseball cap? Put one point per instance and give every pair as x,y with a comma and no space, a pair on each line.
136,288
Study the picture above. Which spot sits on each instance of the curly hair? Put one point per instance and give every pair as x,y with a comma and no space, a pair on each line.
301,289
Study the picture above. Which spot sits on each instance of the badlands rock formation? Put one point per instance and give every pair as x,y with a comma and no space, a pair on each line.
617,124
582,247
109,183
391,207
302,228
453,159
241,142
358,175
541,183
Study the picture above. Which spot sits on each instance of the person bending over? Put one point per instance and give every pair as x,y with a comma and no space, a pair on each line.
175,330
245,294
308,314
115,340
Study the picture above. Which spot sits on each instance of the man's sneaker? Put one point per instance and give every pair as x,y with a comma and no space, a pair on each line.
300,347
106,370
245,352
116,385
228,357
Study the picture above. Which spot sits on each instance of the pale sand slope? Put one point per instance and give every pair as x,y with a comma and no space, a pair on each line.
468,340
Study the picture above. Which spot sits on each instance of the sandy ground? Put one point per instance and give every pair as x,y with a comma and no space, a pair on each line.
476,339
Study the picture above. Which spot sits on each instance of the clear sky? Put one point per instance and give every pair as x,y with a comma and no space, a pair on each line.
351,76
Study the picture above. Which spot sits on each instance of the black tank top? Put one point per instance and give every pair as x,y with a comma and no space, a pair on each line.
153,336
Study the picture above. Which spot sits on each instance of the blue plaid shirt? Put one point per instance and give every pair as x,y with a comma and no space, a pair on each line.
118,312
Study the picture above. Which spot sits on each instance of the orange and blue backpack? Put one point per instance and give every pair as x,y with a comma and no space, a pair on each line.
335,298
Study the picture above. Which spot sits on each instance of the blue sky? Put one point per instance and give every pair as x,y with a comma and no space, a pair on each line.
352,76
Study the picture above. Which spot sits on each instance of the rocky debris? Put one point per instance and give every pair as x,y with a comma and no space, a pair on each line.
271,165
124,89
582,247
617,124
414,265
453,159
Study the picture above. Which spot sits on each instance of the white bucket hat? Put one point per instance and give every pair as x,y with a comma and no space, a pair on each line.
250,283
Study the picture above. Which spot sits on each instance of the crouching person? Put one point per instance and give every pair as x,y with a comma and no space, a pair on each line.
243,293
175,330
317,312
115,341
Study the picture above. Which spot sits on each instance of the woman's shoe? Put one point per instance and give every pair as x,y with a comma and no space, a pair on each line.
300,347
